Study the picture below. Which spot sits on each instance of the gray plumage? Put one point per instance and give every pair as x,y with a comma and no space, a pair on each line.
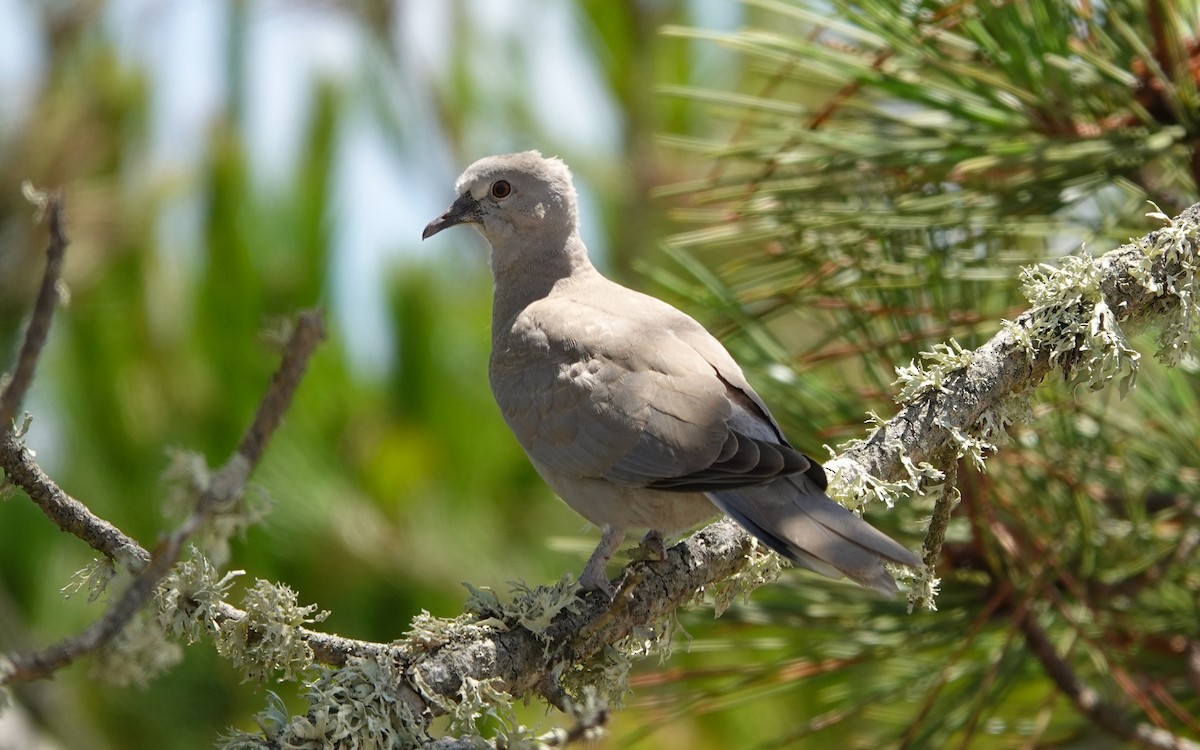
632,412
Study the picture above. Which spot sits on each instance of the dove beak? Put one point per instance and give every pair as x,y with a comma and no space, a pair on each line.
465,210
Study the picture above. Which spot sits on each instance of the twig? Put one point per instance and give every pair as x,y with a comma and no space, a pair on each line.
225,486
1088,702
43,309
66,512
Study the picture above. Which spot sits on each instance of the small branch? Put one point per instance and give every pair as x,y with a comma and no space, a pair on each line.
332,650
225,486
1087,701
36,332
308,333
66,512
1003,367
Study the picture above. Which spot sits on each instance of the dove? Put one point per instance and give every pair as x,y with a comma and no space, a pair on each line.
633,413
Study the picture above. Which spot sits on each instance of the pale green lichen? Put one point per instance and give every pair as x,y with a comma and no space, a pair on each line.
481,700
923,588
606,673
993,424
1073,325
1174,245
915,380
762,567
189,598
93,577
481,708
535,608
267,640
427,633
968,445
355,707
856,488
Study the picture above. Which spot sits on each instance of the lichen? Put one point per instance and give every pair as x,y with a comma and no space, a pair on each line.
536,608
189,599
355,707
606,673
94,577
856,488
1173,245
1070,321
267,640
427,633
762,567
915,380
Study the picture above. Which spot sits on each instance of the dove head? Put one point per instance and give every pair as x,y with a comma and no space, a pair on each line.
521,197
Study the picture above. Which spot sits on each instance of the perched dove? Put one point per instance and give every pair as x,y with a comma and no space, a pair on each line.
632,412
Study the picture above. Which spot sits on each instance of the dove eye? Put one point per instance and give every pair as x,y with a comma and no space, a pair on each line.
501,189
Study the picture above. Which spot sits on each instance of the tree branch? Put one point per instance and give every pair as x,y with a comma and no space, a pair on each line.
224,487
66,512
13,393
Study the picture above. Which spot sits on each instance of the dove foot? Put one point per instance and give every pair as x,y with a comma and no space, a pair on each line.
653,542
594,577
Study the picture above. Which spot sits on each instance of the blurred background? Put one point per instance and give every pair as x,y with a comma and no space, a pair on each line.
830,187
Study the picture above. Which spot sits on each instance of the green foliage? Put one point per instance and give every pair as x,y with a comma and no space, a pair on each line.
874,177
886,173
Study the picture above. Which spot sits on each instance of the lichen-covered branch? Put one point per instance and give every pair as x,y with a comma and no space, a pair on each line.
1151,280
959,403
225,486
495,654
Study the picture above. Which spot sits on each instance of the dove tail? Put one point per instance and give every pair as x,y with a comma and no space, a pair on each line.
794,517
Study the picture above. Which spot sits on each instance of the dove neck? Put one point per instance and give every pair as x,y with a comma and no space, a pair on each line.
532,273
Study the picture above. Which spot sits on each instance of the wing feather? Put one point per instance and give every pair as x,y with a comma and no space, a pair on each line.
650,400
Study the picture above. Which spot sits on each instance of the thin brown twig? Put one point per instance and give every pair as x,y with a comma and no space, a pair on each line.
225,486
1085,699
1088,702
47,299
66,512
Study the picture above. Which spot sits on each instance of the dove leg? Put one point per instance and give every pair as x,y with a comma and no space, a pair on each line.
593,573
653,541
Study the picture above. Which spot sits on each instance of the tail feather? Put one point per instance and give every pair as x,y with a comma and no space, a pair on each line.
796,519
